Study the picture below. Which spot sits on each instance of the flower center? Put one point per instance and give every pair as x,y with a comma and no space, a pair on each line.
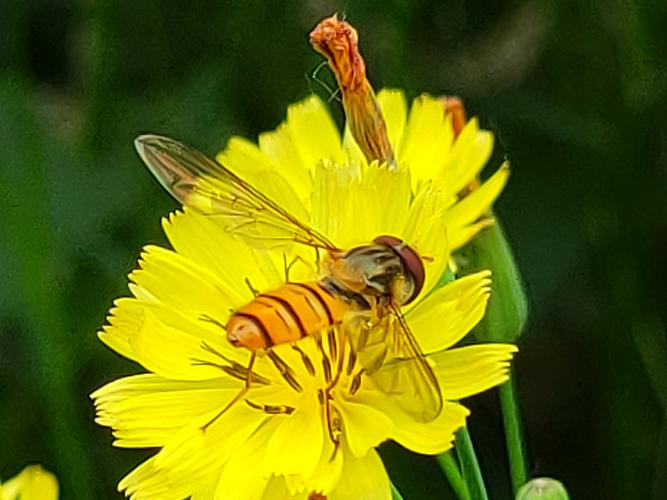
324,367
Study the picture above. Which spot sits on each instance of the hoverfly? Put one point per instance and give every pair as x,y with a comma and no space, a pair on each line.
370,281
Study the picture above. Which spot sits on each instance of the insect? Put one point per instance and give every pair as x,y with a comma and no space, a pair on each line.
370,282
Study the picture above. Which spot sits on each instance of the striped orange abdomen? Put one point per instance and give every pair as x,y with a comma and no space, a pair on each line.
285,314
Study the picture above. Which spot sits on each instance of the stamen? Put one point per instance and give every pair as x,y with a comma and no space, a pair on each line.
306,360
351,360
284,370
333,427
326,367
336,425
333,343
271,409
356,383
339,365
232,372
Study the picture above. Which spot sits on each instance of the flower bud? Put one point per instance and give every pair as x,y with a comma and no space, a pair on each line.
542,488
338,42
508,308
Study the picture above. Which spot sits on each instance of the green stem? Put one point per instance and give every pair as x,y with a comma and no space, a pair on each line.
509,406
451,469
395,494
472,474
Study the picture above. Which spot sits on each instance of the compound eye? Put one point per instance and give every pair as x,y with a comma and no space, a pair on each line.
412,263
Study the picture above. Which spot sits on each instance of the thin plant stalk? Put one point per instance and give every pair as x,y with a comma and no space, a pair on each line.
472,474
453,473
509,406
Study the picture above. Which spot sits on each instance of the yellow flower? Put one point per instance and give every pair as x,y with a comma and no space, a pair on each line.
287,162
33,483
315,430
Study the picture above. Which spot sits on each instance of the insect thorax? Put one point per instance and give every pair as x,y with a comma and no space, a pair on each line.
371,271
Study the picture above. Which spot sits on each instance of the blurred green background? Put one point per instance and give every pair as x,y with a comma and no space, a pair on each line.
575,92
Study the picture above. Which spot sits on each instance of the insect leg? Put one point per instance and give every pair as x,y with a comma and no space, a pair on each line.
325,400
288,267
317,260
241,394
253,290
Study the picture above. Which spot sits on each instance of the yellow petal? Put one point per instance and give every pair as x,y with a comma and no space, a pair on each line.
426,232
384,207
166,343
479,201
149,481
205,242
283,154
333,214
251,164
427,140
296,445
394,109
468,155
431,438
242,477
459,236
207,443
325,478
32,483
184,285
117,337
314,133
363,478
147,410
449,313
365,427
276,489
375,202
205,489
466,371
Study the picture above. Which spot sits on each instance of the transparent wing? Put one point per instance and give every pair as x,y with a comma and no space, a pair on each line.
205,185
392,357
